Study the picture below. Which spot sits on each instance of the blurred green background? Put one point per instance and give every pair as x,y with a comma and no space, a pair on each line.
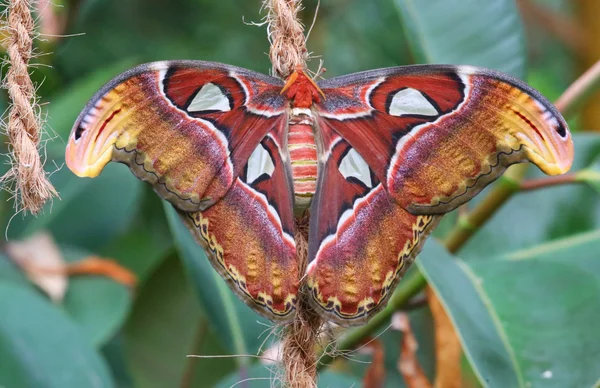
524,293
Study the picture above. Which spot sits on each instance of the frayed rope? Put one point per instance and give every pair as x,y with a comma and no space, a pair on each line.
31,186
299,354
286,36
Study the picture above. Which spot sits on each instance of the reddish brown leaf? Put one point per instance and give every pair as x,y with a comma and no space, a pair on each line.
408,364
447,346
375,375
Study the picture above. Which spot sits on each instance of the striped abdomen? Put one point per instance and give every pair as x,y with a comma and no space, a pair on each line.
303,157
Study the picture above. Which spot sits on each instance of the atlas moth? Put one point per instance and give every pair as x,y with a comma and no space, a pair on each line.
373,159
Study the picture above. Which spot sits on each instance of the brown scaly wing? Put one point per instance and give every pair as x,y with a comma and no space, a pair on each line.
249,233
210,138
400,146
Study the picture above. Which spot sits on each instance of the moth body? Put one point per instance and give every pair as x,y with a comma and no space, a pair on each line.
302,92
303,158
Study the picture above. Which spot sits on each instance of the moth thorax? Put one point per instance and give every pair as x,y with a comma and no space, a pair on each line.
303,157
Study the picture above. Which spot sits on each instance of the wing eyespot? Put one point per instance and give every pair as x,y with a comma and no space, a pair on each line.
561,130
210,98
78,132
409,101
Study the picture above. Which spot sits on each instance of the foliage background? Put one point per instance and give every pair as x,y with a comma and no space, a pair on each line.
524,295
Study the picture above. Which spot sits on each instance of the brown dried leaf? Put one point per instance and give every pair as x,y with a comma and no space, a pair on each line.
42,262
375,375
447,346
408,364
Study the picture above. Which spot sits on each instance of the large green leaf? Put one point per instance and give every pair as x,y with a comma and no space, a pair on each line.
237,323
98,304
467,32
41,347
165,327
524,319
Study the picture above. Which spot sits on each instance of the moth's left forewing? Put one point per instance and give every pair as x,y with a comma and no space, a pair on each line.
186,127
437,135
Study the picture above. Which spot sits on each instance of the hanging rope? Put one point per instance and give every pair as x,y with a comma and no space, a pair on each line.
286,36
288,51
31,186
299,352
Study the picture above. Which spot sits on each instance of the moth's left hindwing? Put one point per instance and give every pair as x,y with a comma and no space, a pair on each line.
361,241
210,138
399,147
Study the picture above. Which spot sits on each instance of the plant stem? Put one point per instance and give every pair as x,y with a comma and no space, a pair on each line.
468,225
541,183
577,93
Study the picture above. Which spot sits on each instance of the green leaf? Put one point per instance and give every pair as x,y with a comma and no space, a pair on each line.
466,32
166,326
260,376
98,304
41,347
227,314
522,318
108,203
146,242
114,355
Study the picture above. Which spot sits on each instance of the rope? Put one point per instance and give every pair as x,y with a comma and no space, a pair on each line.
300,339
33,188
286,36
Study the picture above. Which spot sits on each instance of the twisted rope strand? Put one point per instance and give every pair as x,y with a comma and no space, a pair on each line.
286,36
299,353
33,188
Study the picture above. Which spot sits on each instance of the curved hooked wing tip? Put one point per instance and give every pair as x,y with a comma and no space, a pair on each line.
88,150
530,118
